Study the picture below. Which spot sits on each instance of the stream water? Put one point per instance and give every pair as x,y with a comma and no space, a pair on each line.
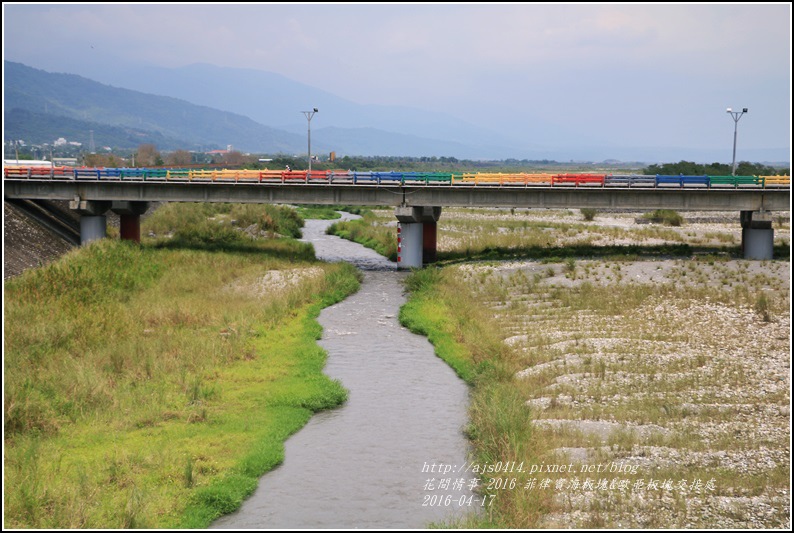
374,462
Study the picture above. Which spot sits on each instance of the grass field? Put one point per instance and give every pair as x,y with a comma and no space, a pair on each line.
150,386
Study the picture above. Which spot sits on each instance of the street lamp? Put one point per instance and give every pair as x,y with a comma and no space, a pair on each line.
309,115
736,116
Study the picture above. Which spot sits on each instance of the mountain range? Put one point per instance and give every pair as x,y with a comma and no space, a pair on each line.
42,106
203,107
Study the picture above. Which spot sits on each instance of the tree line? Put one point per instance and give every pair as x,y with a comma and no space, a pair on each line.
688,168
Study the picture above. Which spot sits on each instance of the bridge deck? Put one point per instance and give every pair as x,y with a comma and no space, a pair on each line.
462,194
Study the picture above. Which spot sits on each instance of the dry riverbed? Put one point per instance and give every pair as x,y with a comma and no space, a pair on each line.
661,386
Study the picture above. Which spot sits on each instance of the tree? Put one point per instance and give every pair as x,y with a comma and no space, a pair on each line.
102,160
688,168
234,158
178,158
148,156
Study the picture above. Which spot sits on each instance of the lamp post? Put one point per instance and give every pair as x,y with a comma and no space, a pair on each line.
736,116
309,115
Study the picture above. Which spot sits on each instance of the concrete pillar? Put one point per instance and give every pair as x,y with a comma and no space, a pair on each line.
409,245
429,217
130,228
416,235
429,239
758,237
130,219
758,243
92,228
93,223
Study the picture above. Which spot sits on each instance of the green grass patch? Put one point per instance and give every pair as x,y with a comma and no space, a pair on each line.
329,212
382,239
500,428
192,217
317,212
150,386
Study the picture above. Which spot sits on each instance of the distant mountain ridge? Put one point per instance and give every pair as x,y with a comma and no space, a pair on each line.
78,98
200,106
41,128
273,99
60,103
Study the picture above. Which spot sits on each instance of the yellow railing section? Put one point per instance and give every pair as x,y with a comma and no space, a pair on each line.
776,180
509,178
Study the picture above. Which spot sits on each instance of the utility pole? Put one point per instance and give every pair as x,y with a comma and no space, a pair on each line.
309,115
736,116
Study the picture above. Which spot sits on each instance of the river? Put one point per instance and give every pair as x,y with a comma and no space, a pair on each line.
380,460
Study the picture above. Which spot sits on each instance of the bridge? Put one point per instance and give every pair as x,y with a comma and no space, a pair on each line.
418,197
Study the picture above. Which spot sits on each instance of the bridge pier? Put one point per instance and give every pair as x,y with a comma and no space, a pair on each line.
93,222
757,235
130,218
417,232
429,239
92,228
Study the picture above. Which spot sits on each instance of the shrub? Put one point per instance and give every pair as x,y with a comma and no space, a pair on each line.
762,306
667,217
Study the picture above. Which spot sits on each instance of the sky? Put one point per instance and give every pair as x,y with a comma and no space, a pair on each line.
621,74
